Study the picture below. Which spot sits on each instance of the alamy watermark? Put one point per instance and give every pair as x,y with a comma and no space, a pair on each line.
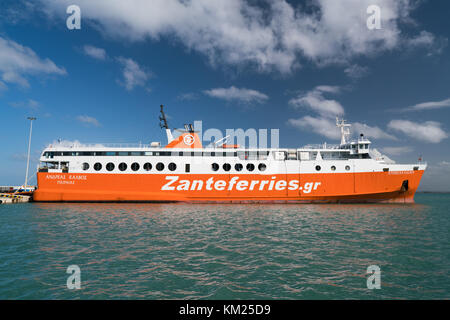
374,20
250,138
74,280
73,22
374,280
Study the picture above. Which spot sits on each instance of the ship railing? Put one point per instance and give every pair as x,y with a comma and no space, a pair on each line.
322,146
99,145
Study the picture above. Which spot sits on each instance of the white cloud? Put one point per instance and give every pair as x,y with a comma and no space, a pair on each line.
94,52
425,38
17,62
187,96
30,103
133,74
327,128
323,126
429,131
275,36
395,151
315,101
371,132
428,105
327,110
355,71
89,121
237,94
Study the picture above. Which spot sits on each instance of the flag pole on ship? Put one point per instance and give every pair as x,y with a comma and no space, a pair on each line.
29,147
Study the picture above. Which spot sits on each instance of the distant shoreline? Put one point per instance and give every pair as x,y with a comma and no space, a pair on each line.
441,192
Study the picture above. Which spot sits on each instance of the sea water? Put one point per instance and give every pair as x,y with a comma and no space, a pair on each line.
207,251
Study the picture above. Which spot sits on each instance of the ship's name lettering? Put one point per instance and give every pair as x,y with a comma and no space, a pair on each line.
402,172
64,177
237,184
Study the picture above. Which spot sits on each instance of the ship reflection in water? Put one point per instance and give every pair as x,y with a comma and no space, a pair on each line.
178,251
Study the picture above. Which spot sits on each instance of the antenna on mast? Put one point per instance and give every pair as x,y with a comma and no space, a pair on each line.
345,129
163,124
162,119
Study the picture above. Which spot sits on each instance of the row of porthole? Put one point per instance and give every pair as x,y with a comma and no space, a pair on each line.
238,167
333,168
134,166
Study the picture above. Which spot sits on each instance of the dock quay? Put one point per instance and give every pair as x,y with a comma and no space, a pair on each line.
13,198
16,194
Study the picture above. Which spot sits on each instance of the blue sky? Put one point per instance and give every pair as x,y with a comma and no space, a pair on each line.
233,64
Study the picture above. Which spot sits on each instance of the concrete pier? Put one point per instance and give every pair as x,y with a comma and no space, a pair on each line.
13,198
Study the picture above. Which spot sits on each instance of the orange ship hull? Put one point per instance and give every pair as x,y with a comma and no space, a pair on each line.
244,188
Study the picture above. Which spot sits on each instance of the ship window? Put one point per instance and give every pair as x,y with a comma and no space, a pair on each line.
147,166
215,167
122,166
262,167
318,168
385,169
110,166
416,168
135,166
226,166
187,167
98,166
347,168
238,167
333,168
172,166
250,166
160,166
85,166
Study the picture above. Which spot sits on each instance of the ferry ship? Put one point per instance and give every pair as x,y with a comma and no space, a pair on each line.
185,171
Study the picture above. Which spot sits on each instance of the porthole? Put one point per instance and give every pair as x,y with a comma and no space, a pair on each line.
215,167
238,167
250,166
135,166
347,168
110,166
226,166
98,166
85,166
147,166
160,166
262,167
333,168
172,166
318,168
122,166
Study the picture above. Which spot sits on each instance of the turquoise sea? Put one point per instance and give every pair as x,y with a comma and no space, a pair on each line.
181,251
